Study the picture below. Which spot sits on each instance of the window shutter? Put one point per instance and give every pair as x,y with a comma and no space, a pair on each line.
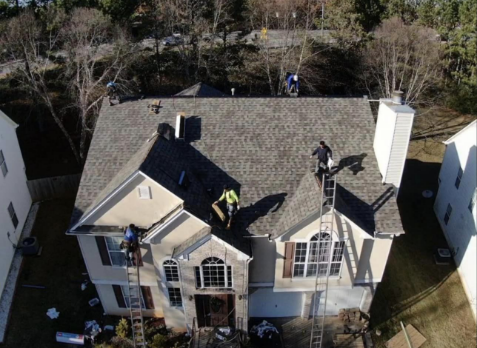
103,250
147,296
138,259
288,262
119,296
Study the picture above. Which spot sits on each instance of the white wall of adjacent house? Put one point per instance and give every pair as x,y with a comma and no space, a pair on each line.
455,205
391,141
13,192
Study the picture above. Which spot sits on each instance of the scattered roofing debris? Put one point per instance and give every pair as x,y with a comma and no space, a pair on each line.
52,313
264,329
402,339
93,302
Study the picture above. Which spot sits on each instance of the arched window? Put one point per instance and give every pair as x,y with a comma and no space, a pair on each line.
213,273
314,256
171,270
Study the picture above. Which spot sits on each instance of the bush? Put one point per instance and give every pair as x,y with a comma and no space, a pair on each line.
159,341
122,329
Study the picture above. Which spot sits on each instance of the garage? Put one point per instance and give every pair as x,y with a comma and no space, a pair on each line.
265,303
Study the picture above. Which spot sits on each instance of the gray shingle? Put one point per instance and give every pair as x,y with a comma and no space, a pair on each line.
258,145
200,90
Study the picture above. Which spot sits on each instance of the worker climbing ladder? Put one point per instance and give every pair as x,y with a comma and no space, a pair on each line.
328,195
135,301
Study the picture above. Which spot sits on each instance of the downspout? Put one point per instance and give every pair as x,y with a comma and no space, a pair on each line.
183,297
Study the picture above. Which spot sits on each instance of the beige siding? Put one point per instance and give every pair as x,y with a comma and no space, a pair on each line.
97,271
374,257
110,305
344,230
126,207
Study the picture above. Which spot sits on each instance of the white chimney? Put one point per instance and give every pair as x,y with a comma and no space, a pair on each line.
391,141
180,125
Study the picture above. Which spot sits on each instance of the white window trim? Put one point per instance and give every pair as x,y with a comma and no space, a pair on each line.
201,271
306,262
13,215
448,214
126,299
460,174
169,297
114,251
165,273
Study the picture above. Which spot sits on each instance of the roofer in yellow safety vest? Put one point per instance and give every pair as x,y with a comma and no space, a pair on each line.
232,202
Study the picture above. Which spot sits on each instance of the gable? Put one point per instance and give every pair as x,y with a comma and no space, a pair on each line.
126,207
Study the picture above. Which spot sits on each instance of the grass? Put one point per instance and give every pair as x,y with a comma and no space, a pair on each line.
60,269
415,290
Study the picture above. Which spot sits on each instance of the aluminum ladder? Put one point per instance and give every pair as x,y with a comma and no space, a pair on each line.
328,195
135,302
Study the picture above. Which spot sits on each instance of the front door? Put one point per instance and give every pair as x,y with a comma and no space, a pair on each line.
215,310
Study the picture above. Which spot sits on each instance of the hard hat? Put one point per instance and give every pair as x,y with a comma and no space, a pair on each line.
295,77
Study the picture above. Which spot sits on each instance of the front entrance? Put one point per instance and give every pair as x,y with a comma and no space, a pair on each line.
214,310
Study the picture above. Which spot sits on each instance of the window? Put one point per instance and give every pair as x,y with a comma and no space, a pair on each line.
448,214
115,253
472,202
13,215
175,297
3,164
459,177
213,273
125,290
144,192
171,270
314,256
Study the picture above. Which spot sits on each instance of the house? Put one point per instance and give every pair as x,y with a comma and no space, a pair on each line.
194,272
455,205
15,198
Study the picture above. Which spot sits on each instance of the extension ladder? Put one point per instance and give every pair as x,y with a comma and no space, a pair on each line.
135,302
328,195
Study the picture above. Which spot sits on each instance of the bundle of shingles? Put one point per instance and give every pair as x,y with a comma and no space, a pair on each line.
350,315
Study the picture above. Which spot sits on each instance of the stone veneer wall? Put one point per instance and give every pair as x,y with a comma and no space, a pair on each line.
213,248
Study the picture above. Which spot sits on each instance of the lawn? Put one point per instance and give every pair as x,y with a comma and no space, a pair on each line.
414,289
60,269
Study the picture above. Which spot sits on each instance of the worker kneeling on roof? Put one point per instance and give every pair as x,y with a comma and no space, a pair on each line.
232,202
325,157
293,83
130,242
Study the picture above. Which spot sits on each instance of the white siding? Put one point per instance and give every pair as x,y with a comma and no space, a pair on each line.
13,188
460,231
391,141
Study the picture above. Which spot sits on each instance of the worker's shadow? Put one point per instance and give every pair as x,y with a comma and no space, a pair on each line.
265,206
353,163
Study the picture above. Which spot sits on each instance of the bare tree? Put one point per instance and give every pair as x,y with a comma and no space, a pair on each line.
285,41
96,53
21,39
402,57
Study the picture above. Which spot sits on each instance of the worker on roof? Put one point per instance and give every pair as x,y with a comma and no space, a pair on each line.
112,92
325,157
130,242
293,83
233,203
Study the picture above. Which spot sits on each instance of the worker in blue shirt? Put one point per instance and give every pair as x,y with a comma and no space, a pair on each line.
293,83
130,242
112,92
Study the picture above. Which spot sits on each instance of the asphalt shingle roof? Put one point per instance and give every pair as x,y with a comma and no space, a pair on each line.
260,146
200,90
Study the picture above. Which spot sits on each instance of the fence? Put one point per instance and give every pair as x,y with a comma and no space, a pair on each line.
54,187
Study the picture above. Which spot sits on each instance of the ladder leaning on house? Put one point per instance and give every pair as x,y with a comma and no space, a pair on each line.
323,258
135,301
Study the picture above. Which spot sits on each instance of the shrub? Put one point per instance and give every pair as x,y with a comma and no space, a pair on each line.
159,341
122,329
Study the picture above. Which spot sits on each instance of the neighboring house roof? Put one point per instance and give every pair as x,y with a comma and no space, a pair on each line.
8,119
200,90
260,146
463,130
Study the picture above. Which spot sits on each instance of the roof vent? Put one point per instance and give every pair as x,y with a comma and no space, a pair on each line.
184,180
180,125
164,130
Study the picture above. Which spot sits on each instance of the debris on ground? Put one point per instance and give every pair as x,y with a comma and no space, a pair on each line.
264,335
52,313
84,285
93,302
264,329
399,341
91,329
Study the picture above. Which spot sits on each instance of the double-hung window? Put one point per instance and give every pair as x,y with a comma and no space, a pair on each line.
13,215
315,256
171,270
213,273
448,214
175,297
3,164
125,290
116,255
458,180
